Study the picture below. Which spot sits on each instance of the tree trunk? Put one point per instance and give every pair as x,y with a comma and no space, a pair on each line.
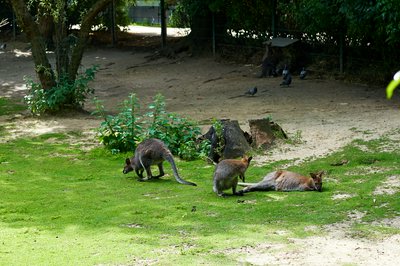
46,27
232,144
261,132
42,66
236,144
264,132
63,44
83,37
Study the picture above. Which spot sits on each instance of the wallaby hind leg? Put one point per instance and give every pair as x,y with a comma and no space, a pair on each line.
221,194
266,186
149,174
161,169
239,193
216,189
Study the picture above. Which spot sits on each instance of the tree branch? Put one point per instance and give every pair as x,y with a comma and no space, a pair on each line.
3,22
83,36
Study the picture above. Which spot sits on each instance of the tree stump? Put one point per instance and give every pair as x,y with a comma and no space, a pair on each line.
236,144
232,144
264,132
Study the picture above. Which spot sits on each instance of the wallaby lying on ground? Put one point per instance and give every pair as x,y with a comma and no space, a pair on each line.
152,152
286,181
227,172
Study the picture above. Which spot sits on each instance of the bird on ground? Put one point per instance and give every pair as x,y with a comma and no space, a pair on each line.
303,73
3,46
285,71
287,80
251,91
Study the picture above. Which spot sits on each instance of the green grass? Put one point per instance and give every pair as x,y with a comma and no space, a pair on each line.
62,205
8,106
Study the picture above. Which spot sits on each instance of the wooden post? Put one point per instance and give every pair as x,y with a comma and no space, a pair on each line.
113,25
341,52
163,24
213,33
273,22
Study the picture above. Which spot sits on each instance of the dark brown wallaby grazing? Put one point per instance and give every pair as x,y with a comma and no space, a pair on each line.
152,152
227,172
286,181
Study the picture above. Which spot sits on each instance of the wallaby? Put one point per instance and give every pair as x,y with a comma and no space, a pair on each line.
227,172
152,152
283,180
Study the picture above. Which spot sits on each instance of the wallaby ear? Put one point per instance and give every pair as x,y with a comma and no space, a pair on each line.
313,175
317,175
250,158
127,161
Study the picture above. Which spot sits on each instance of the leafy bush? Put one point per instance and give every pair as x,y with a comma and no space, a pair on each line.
65,94
124,131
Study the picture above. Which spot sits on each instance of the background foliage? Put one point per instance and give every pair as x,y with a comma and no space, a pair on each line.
367,27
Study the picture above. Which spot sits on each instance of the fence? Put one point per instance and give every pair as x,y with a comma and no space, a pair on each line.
148,15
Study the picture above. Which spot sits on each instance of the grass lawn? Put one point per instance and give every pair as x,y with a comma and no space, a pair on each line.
64,205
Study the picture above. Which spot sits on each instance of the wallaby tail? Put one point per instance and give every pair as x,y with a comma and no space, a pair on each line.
171,160
242,184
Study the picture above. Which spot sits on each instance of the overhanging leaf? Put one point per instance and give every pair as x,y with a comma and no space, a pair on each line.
393,85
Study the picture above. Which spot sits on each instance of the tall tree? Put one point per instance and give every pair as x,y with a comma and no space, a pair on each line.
69,49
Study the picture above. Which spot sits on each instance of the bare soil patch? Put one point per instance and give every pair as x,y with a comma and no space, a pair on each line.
323,114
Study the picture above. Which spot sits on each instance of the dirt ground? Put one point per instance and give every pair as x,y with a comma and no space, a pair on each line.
322,114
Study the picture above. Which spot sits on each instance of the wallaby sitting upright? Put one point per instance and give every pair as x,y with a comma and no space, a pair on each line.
152,152
286,181
227,172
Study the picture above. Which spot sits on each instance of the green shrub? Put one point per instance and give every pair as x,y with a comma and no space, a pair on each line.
65,94
122,132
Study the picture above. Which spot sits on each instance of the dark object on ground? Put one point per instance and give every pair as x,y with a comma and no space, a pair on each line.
251,91
303,73
268,68
285,71
287,80
342,162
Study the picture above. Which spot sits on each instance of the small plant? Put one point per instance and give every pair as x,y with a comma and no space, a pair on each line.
65,94
219,132
36,98
296,139
122,132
